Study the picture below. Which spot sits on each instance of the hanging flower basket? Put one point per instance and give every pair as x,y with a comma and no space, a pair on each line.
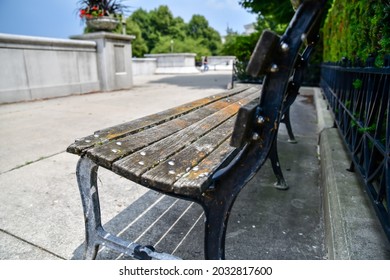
102,23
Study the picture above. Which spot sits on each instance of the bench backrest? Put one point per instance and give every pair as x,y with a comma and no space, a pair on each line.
278,58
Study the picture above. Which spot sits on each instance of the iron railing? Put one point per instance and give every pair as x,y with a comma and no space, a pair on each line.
359,101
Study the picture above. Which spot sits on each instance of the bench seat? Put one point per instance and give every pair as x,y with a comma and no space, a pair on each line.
175,151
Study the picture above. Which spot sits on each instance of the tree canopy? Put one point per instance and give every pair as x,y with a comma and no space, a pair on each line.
276,12
274,15
158,31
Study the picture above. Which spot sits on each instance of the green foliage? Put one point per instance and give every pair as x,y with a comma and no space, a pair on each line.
240,46
242,75
357,28
159,27
273,16
161,20
278,11
139,46
369,129
198,28
178,29
357,84
149,34
188,45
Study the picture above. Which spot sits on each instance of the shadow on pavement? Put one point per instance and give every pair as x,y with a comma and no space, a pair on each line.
198,81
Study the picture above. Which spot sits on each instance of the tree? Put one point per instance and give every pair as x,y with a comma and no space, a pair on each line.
142,19
198,26
189,45
276,15
139,46
199,29
241,46
161,19
278,11
178,29
273,15
159,27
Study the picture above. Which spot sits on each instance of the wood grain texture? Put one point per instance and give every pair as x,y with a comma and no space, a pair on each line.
162,152
174,151
179,164
106,154
105,135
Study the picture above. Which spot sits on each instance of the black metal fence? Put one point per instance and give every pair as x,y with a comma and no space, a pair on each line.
359,100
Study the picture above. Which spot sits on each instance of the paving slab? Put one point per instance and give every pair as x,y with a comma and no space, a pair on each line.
284,225
14,248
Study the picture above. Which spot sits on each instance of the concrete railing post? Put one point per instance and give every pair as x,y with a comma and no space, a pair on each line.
114,59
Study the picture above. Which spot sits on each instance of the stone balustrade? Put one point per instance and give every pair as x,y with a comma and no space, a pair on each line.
37,68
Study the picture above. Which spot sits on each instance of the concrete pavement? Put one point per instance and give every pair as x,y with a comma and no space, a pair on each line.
40,208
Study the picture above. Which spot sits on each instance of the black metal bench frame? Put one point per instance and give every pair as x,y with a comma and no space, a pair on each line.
253,141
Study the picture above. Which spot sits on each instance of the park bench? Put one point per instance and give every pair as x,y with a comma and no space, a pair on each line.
203,151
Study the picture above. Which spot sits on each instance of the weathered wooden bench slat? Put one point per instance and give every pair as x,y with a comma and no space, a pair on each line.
106,154
197,180
178,165
105,135
133,166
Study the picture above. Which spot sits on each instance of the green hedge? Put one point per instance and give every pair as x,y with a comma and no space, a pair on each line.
354,29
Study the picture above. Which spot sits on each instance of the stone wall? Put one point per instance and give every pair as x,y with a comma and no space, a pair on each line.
174,63
37,68
144,66
220,62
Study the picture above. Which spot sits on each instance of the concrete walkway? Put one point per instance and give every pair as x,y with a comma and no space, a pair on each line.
40,209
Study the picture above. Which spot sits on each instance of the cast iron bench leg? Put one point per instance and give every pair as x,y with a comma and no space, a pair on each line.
286,121
273,156
87,181
217,204
95,235
217,214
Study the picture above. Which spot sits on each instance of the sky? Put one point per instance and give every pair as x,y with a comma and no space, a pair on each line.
59,18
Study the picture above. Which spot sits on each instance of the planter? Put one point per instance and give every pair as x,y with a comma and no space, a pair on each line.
102,23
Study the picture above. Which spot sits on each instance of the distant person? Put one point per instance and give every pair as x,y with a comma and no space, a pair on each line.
205,64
